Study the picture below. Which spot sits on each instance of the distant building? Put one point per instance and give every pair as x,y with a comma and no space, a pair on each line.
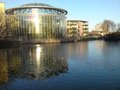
98,30
98,27
77,28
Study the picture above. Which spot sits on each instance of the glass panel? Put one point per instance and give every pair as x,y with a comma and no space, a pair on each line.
39,26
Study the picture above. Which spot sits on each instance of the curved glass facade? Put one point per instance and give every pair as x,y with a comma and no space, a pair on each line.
32,21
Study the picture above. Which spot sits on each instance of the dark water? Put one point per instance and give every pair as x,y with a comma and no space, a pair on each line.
88,65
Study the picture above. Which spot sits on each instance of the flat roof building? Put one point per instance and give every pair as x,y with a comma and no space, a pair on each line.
76,28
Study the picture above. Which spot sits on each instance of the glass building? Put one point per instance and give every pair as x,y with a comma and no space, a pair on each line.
36,21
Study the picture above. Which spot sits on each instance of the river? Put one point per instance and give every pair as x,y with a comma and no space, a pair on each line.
84,65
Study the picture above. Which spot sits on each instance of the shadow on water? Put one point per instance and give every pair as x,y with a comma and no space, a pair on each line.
32,62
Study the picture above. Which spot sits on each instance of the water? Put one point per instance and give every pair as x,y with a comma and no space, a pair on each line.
87,65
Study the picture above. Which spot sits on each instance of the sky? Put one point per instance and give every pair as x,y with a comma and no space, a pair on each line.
93,11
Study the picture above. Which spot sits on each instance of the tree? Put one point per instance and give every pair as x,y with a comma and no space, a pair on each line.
108,26
118,27
8,24
2,24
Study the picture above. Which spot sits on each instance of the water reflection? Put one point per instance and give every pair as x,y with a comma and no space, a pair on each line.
38,61
3,67
92,65
78,50
32,62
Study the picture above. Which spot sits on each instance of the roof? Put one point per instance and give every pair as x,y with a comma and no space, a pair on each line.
37,5
76,21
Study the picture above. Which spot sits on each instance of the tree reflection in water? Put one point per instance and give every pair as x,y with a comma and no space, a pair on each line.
3,67
32,62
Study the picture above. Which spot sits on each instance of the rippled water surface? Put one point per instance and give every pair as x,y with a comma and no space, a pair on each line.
86,65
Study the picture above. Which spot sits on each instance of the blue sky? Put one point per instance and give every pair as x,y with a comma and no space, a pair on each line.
94,11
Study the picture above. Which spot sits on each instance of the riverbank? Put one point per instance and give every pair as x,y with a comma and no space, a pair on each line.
87,38
33,41
45,41
113,36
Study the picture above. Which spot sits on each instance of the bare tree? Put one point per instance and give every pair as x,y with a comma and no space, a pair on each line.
8,24
118,27
2,24
108,26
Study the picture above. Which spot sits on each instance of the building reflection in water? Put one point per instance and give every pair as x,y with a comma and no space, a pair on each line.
32,62
78,49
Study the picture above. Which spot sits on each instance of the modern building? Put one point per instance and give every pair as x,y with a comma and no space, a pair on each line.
77,28
36,21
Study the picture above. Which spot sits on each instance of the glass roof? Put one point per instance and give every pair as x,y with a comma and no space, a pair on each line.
37,4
